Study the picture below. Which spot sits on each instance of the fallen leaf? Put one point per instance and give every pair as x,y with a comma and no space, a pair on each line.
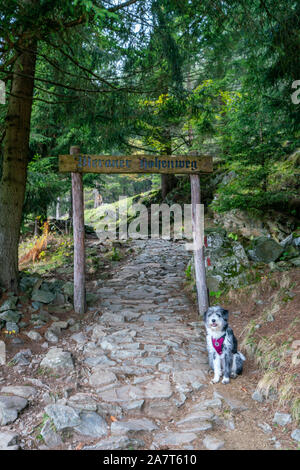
113,419
244,389
79,446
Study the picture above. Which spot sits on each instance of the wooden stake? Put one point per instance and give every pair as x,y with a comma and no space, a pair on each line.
78,234
203,301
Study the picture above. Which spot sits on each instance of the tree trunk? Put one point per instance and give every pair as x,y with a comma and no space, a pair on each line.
97,198
36,227
168,182
57,215
15,160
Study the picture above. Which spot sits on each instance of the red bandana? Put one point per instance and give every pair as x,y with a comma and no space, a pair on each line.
218,344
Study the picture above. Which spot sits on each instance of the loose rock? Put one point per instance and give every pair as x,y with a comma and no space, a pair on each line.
24,391
174,438
296,435
63,416
117,443
9,440
43,296
2,353
133,426
211,443
10,407
92,425
58,359
34,335
52,439
282,418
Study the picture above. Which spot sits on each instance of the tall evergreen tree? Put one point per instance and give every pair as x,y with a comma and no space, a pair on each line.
26,26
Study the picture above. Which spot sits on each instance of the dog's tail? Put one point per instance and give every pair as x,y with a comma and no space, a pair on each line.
241,356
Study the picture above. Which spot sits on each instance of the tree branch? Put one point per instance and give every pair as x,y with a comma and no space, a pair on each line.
84,90
122,5
75,62
42,100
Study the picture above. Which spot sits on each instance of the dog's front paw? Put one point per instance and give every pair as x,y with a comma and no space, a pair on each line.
215,380
225,380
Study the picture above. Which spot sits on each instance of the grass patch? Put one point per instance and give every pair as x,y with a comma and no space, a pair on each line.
273,354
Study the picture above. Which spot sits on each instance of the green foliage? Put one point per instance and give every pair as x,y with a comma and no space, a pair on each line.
259,128
163,77
188,272
44,185
115,254
233,236
216,294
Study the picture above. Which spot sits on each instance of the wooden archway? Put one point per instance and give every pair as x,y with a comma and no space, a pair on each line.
77,163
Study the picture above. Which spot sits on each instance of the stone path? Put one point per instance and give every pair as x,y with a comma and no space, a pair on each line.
145,357
134,375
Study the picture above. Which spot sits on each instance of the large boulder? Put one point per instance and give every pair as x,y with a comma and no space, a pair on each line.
296,261
265,250
9,304
10,315
214,282
227,261
216,239
272,223
27,282
68,289
43,296
239,221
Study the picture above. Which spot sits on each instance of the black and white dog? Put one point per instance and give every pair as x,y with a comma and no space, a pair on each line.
221,343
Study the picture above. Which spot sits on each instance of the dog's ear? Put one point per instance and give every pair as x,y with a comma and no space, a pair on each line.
204,315
225,313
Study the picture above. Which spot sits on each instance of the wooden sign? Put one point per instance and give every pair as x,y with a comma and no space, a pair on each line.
168,164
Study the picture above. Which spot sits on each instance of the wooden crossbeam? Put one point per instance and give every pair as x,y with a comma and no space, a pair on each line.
168,164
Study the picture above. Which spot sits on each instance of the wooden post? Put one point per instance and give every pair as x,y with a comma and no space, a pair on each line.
78,234
203,301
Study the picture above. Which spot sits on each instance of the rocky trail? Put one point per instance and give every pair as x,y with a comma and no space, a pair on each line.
133,374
